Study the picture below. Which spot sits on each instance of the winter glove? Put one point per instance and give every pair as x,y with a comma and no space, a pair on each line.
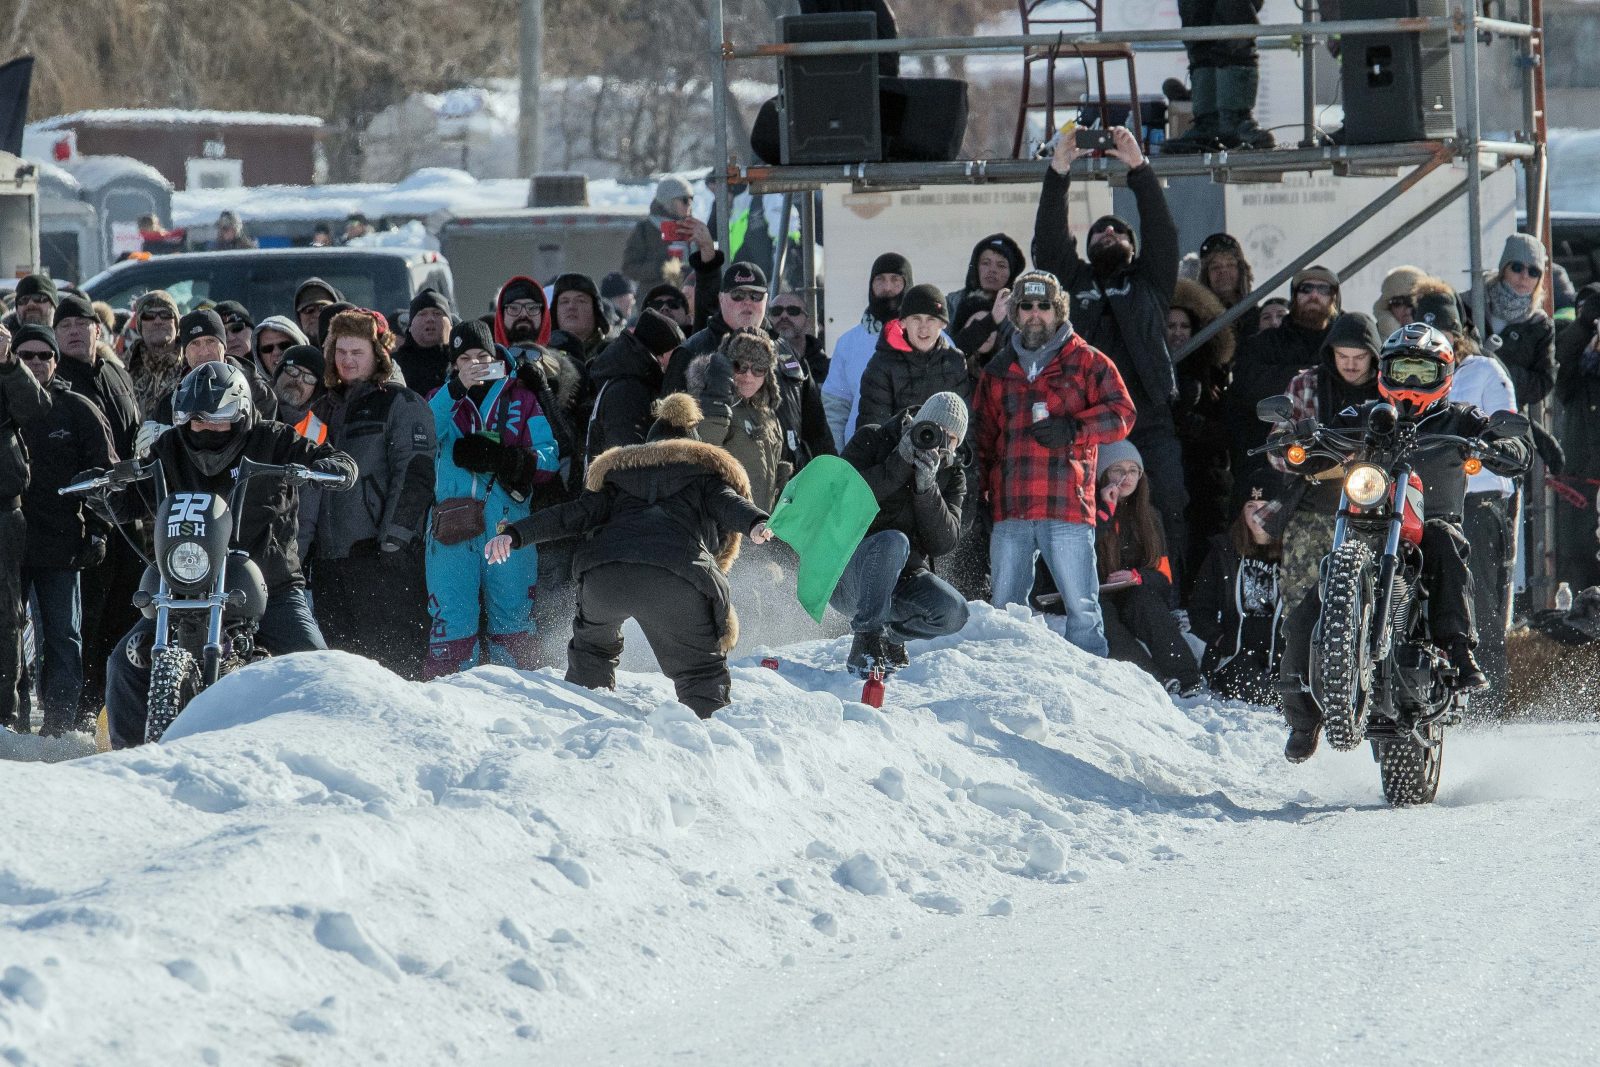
478,453
397,558
147,435
1057,431
92,554
530,374
515,469
925,469
719,379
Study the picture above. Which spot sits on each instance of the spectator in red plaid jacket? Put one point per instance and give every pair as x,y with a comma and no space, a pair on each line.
1044,406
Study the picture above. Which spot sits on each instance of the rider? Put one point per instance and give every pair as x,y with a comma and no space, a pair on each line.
215,428
1415,368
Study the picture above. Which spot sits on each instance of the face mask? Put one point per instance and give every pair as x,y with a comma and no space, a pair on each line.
210,440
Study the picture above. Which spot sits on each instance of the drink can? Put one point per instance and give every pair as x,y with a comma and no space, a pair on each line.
1041,411
770,664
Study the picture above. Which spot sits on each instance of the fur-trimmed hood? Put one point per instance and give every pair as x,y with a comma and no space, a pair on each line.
659,455
1204,307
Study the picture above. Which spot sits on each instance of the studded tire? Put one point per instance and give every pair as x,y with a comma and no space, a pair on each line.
174,681
1341,675
1410,771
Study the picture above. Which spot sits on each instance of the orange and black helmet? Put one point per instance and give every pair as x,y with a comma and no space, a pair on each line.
1415,368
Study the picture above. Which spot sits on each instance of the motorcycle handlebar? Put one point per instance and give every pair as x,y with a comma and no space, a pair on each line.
124,473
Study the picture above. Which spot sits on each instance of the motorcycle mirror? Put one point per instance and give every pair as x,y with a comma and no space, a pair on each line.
1509,424
1275,409
1381,418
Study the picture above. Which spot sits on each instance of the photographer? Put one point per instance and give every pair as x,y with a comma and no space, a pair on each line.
888,588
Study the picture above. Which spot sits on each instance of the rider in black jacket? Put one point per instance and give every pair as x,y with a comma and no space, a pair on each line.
1414,372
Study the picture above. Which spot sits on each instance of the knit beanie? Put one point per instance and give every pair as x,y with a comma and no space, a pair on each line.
521,289
1354,329
751,348
891,263
1116,452
671,188
73,306
1442,311
617,284
306,357
197,324
924,300
469,334
657,333
1314,273
34,332
1114,222
946,411
429,298
37,285
155,296
1520,248
232,309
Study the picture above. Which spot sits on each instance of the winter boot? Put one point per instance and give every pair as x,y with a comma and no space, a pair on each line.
1203,136
868,652
1236,102
1469,676
897,655
1302,743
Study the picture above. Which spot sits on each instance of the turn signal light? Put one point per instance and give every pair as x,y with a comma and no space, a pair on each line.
1296,455
1473,465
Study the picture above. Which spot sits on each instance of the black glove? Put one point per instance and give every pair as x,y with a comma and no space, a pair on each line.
719,378
478,453
1057,431
87,476
92,554
515,470
394,556
532,375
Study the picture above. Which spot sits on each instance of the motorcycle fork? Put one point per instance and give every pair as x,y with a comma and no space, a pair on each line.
1383,637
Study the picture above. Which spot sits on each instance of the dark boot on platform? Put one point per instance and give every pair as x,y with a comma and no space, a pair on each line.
1236,103
1203,136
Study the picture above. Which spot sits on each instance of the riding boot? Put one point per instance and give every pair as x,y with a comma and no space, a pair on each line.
1236,103
1302,743
1203,135
1469,676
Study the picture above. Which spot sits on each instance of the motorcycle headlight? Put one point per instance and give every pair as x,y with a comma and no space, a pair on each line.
187,561
1365,485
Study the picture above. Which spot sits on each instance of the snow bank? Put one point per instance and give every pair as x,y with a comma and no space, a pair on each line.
328,864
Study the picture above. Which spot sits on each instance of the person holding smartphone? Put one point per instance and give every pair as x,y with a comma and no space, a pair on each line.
665,234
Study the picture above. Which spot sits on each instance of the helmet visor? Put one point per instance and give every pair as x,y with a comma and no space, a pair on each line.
229,411
1414,370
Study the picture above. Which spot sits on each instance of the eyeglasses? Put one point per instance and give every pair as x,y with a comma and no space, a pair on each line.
161,315
794,311
36,355
1034,305
745,368
747,296
1319,288
299,374
525,309
282,346
36,300
668,304
1523,268
1401,302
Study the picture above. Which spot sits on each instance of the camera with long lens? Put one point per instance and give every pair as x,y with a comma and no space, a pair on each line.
926,436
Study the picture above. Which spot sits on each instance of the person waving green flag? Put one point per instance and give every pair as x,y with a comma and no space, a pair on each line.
823,514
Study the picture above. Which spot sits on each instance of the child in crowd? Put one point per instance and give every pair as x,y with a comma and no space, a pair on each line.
1237,607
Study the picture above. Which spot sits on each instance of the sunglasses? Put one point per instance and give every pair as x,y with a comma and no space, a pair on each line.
36,300
1034,305
237,327
526,309
788,311
36,355
668,305
1401,302
1523,268
156,316
299,374
745,368
747,296
281,346
1319,288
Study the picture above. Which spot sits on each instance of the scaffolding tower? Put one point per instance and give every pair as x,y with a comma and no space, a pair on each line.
1466,26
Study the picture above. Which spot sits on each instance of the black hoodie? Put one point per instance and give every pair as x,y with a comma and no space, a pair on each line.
995,242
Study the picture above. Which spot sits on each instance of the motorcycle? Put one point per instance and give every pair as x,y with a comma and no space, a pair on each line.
204,592
1375,672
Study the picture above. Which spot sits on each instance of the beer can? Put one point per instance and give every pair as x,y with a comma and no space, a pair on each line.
1041,411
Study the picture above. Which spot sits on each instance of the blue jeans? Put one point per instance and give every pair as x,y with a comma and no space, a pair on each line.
1068,550
286,626
60,638
873,593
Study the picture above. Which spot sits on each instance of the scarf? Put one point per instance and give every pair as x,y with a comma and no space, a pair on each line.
1034,359
1506,307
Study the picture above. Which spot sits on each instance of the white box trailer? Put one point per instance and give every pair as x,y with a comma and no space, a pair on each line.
19,216
485,249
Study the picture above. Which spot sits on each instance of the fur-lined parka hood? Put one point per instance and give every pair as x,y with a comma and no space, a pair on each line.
1204,307
658,456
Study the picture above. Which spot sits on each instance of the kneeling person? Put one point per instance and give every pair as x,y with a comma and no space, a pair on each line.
888,588
661,523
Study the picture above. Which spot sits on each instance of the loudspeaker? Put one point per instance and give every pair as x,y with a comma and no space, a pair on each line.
1396,87
924,119
828,105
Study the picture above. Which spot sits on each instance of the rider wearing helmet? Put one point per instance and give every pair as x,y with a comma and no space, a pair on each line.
214,427
1415,367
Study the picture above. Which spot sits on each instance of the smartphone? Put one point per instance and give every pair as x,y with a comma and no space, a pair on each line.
1098,139
492,372
672,230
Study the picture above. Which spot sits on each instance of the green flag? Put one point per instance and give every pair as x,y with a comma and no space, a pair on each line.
823,515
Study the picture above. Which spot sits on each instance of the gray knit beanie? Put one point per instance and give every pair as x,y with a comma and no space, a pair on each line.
947,411
1116,452
1522,248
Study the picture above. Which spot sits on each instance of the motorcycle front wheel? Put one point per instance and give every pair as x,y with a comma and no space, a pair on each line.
174,681
1410,771
1341,677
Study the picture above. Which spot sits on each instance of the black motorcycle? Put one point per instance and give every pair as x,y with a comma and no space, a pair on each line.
205,593
1375,672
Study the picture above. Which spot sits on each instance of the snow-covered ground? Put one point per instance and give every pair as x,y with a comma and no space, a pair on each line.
1028,856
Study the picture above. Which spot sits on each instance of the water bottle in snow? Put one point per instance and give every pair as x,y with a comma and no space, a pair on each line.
1563,597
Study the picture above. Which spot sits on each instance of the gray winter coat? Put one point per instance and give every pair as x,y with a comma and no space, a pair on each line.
388,431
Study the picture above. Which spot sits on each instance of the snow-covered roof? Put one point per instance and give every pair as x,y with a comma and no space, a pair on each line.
92,172
160,116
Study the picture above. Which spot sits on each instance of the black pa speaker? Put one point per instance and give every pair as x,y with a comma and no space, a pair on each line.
828,105
1397,87
924,119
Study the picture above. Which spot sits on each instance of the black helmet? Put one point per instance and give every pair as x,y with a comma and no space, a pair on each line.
1415,368
213,392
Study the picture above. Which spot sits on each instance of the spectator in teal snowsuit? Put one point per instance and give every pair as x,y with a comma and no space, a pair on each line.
496,453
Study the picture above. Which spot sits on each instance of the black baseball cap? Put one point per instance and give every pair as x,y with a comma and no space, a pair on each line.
744,275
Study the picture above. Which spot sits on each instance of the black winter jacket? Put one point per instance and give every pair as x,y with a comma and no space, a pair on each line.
995,242
627,381
1528,353
1236,608
932,520
22,401
69,438
1124,316
896,377
268,522
1578,394
680,505
107,383
1264,367
425,369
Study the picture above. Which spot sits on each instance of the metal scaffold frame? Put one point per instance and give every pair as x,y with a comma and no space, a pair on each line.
1466,25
